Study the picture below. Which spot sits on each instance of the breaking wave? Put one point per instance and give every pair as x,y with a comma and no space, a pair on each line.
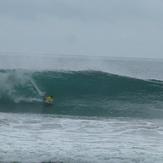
81,93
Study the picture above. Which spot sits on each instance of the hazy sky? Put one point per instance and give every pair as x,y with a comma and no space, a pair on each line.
132,28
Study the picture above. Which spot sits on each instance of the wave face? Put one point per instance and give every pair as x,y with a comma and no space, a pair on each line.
81,93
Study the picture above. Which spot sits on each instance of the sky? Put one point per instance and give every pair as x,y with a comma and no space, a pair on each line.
118,28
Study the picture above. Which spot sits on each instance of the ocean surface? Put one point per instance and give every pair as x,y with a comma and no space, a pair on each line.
105,109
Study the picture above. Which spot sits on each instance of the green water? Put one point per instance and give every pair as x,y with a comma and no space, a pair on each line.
82,93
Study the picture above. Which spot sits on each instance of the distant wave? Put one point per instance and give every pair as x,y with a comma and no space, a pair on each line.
88,93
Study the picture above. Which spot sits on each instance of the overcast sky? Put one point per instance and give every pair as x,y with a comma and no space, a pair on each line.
130,28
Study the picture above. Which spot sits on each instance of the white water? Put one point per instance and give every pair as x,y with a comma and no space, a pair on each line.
36,138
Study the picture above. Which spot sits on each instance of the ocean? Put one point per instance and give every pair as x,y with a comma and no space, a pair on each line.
105,109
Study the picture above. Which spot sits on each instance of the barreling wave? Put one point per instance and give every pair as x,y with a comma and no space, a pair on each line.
82,93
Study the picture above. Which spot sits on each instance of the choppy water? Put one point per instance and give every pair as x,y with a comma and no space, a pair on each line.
98,115
38,138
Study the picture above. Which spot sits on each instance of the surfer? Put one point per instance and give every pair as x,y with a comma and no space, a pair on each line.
48,99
